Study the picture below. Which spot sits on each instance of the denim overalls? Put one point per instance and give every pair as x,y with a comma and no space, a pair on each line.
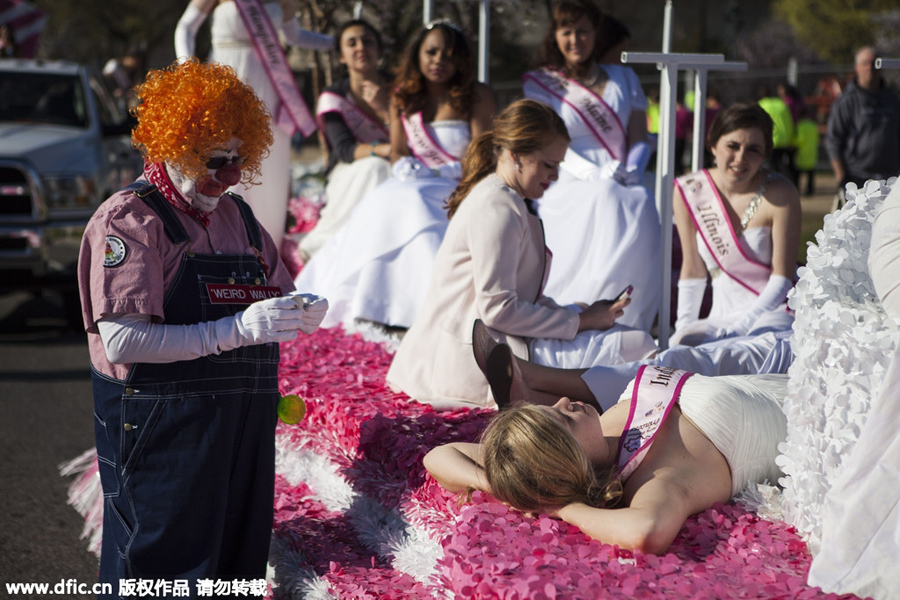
186,449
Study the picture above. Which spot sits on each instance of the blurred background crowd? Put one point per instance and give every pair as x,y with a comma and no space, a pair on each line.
803,48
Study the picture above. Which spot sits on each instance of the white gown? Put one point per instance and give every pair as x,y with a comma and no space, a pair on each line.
603,236
731,299
348,183
231,46
743,416
378,265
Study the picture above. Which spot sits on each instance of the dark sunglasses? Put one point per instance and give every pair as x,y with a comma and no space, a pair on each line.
218,162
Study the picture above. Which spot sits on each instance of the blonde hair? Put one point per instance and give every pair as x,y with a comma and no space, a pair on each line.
533,463
524,127
189,109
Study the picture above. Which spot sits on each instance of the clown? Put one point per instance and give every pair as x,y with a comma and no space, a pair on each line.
185,299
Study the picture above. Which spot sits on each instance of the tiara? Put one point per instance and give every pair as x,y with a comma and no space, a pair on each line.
446,23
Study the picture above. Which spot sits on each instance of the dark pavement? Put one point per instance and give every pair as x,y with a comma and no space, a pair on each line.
46,418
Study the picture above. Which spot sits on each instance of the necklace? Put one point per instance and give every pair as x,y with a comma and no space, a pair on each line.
754,203
592,82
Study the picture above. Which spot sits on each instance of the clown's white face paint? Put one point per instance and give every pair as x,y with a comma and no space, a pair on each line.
204,193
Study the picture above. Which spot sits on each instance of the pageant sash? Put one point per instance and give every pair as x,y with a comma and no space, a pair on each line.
366,129
707,210
597,115
292,113
656,390
424,147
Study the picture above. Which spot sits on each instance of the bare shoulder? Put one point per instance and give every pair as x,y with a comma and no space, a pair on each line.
678,202
484,107
682,464
613,418
483,99
483,92
782,193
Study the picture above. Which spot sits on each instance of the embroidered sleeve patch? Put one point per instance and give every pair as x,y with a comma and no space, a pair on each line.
115,251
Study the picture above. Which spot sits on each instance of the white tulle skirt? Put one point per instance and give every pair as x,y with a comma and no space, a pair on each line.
378,265
617,345
603,237
348,184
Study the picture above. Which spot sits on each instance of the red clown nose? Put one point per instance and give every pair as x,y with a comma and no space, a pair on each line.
229,174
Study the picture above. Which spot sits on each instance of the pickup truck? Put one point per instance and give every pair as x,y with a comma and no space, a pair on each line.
64,148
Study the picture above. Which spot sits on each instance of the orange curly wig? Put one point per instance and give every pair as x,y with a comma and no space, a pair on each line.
188,110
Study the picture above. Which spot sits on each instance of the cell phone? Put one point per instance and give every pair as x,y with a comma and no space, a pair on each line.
626,293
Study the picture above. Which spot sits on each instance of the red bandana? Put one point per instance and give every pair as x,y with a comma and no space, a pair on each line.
156,174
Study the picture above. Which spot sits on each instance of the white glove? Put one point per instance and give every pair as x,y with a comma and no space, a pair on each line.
772,296
314,309
690,299
272,320
633,177
131,338
186,31
450,171
408,168
614,170
303,38
696,333
636,163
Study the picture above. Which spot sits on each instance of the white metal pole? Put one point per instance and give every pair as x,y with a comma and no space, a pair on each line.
667,27
662,138
887,63
668,88
670,64
484,41
700,106
666,132
427,11
665,179
699,119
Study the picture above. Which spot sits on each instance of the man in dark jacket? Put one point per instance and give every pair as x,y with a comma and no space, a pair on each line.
863,140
